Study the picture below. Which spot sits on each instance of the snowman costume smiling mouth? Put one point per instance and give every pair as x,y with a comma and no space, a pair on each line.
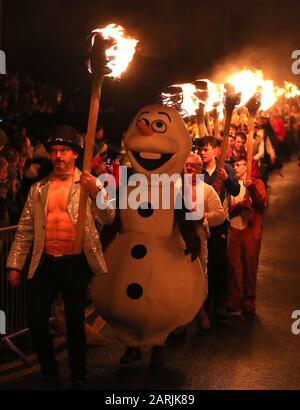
150,164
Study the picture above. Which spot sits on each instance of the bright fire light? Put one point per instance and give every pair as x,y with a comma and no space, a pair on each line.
268,96
187,97
187,101
121,53
215,94
249,82
289,90
245,82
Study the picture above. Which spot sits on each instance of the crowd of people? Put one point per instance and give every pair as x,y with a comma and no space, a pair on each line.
234,245
234,202
23,105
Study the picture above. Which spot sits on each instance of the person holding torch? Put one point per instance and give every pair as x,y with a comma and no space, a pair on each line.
244,239
217,243
48,223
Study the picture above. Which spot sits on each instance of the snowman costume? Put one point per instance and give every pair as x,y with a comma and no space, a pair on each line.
153,285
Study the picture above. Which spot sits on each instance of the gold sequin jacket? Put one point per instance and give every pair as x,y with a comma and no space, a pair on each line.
32,228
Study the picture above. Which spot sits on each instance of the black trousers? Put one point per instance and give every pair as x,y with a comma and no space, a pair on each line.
217,267
68,276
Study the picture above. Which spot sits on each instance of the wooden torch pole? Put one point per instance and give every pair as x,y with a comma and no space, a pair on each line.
87,159
231,101
202,94
217,133
208,125
250,147
252,105
200,121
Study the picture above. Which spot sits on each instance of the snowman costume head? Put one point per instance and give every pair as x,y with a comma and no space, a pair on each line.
157,141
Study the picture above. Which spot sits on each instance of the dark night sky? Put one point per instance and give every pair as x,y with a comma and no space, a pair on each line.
179,41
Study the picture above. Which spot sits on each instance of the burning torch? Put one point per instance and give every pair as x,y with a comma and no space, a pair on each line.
210,96
110,54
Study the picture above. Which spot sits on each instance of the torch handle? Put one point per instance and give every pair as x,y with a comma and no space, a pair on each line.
217,133
224,146
200,121
250,146
208,125
252,106
87,159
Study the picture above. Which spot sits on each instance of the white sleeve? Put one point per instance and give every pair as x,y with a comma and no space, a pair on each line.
213,209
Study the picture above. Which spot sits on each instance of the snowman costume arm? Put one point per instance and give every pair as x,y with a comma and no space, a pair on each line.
106,215
188,232
109,232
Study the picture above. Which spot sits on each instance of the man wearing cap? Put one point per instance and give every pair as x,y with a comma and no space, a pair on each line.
48,221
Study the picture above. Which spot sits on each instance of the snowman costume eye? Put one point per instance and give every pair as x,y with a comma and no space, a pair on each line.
159,126
143,120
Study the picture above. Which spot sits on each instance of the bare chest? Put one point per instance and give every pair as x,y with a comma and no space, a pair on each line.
58,196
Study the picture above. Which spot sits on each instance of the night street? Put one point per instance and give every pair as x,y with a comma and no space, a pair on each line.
250,353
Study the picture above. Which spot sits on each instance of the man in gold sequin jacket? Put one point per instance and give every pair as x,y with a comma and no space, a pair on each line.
48,222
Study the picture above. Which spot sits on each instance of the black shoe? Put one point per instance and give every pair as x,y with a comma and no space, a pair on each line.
179,332
50,382
250,313
158,356
132,355
79,383
221,318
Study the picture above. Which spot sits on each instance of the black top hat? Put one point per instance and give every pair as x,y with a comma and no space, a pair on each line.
65,135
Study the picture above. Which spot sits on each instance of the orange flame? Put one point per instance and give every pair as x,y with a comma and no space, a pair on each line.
215,95
249,82
289,90
212,95
268,95
220,111
188,102
121,53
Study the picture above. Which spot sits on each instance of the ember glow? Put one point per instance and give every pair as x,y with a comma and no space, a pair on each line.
121,53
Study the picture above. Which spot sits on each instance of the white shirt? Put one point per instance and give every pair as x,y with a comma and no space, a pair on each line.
238,222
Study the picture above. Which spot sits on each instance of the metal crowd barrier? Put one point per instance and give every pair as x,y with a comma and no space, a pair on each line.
12,300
